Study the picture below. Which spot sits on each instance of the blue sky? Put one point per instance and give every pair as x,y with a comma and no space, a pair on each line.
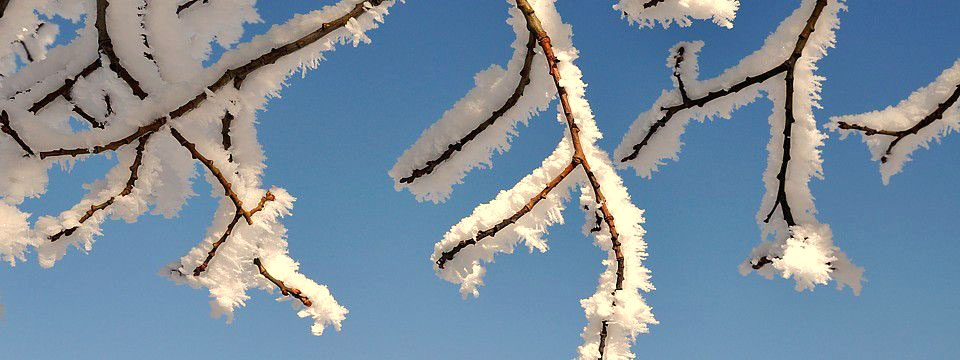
334,134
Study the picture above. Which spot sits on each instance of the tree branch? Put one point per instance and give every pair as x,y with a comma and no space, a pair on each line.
225,122
188,4
235,75
65,89
226,234
5,127
510,103
450,254
789,117
898,135
227,186
127,189
3,6
284,289
788,66
106,46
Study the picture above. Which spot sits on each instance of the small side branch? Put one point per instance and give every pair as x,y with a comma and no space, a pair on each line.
284,289
899,135
127,189
510,103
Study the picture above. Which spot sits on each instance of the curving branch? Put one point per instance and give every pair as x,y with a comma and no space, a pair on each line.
788,67
127,189
898,135
511,101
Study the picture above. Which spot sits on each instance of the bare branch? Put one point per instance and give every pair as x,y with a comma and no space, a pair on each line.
225,122
3,6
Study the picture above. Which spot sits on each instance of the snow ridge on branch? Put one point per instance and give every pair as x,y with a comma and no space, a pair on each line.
647,13
159,110
801,247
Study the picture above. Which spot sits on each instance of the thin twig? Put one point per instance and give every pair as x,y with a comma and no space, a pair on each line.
899,135
509,104
284,289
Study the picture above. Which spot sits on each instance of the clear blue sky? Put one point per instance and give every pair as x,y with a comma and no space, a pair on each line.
332,137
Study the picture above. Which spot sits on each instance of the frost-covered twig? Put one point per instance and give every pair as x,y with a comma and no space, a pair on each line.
802,247
896,132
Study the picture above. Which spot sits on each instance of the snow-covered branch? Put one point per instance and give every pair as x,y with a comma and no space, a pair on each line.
802,247
616,313
892,134
127,76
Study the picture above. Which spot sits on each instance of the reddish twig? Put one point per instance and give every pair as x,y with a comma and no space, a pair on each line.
284,289
65,89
